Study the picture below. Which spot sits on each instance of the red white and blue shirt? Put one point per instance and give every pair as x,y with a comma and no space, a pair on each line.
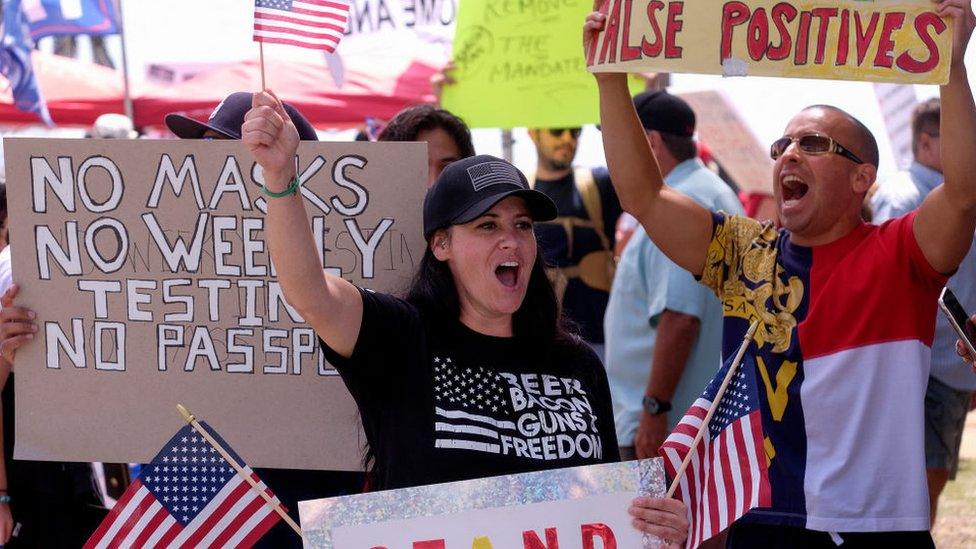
843,356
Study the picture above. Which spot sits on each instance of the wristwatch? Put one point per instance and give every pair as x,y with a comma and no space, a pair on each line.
654,406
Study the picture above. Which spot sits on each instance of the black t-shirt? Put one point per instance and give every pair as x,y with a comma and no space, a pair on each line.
441,403
581,303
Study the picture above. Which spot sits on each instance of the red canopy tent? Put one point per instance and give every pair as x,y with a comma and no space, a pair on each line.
77,93
381,92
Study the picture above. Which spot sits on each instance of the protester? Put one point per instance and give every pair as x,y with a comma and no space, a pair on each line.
663,330
579,246
847,309
448,138
289,485
579,243
50,504
951,385
479,332
42,503
6,518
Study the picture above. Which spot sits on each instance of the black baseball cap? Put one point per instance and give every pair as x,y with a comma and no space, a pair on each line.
468,188
228,117
661,111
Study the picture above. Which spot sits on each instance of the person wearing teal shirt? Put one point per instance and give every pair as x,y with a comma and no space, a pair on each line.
663,329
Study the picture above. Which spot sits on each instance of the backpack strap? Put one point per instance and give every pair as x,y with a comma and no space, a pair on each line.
590,193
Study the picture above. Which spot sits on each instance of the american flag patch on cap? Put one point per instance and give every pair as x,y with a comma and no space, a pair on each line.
491,173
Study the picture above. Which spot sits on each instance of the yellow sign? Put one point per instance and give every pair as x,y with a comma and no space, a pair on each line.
890,41
519,64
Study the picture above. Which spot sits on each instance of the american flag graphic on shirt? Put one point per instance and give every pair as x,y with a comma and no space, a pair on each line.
727,475
467,402
530,415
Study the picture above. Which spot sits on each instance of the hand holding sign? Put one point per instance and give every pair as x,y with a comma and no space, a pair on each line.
963,21
272,138
665,518
596,21
16,325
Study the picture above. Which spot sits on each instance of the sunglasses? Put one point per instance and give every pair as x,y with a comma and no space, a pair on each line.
812,144
558,132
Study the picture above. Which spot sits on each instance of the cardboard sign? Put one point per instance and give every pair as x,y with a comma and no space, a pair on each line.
519,64
147,266
574,508
896,41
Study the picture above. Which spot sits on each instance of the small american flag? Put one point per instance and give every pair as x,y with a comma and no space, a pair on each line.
727,474
189,496
316,24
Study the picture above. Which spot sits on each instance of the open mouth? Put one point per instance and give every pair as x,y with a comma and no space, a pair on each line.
793,188
507,273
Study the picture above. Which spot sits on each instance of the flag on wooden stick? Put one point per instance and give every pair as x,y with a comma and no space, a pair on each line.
316,24
190,496
726,473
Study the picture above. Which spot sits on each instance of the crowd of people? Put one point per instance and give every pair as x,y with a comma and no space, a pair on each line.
530,285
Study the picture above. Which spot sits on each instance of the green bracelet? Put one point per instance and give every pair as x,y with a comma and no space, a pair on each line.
292,189
5,499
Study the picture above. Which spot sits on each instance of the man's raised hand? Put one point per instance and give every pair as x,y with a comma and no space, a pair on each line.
963,22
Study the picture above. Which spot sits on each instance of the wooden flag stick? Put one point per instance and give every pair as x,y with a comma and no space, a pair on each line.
264,87
711,410
237,467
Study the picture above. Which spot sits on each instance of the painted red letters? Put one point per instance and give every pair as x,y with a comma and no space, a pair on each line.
602,531
530,540
816,30
618,31
430,544
923,24
892,22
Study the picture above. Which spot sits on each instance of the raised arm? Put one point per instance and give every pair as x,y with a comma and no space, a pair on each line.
946,219
680,227
332,306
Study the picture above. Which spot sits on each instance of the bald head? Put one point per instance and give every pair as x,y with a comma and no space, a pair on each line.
853,134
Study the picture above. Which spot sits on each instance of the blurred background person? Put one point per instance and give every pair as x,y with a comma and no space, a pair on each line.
951,385
448,138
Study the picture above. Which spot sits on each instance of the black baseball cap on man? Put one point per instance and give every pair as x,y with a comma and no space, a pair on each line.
468,188
228,117
661,111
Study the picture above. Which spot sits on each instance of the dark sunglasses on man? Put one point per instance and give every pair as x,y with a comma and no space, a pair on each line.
812,144
558,132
